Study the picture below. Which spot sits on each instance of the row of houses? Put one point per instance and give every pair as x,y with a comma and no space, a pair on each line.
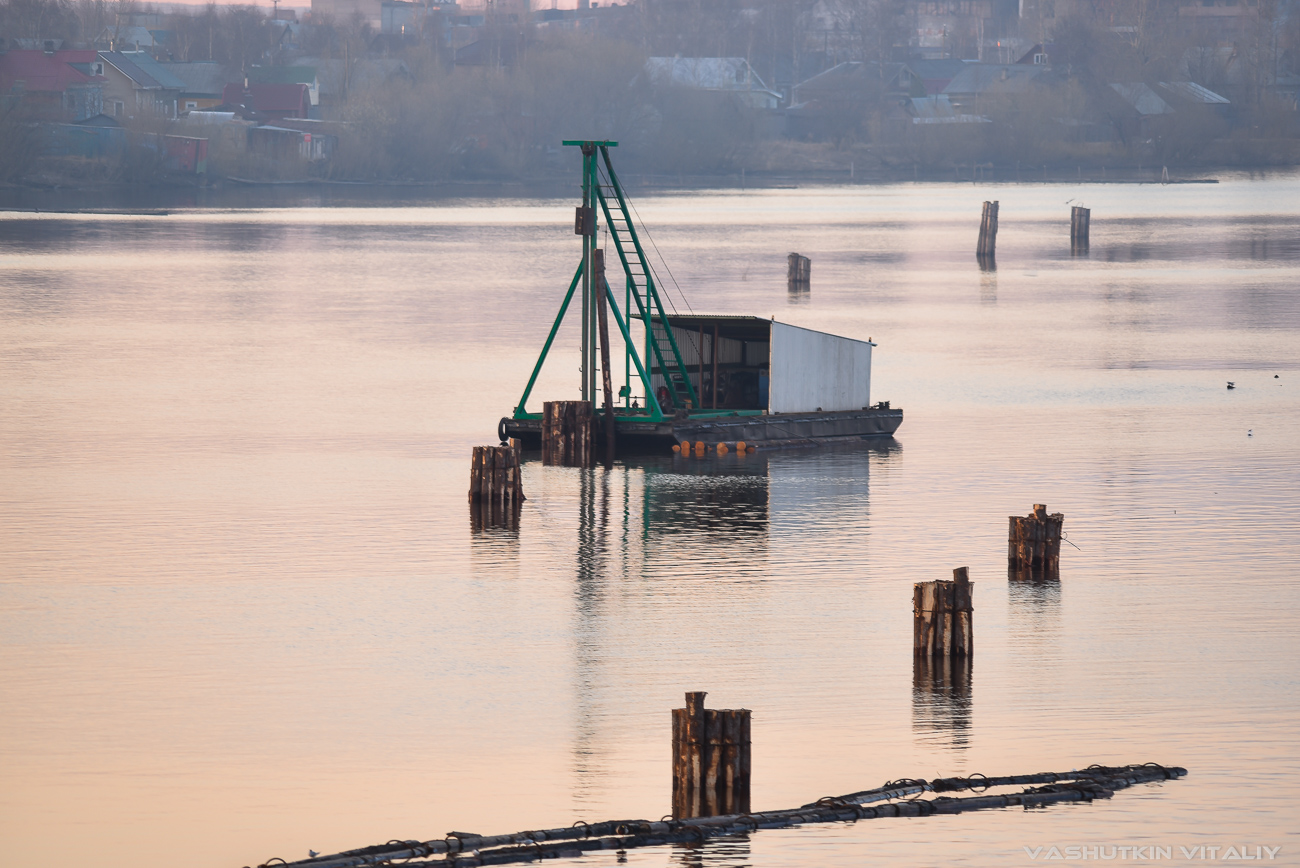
836,103
75,84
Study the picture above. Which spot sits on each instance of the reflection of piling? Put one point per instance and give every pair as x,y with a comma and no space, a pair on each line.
1080,218
941,697
495,487
941,617
566,433
987,247
799,277
1034,541
711,760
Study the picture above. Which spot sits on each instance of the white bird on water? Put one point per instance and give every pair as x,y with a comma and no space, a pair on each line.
1250,432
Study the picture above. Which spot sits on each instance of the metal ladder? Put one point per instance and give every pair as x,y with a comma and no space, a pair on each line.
618,219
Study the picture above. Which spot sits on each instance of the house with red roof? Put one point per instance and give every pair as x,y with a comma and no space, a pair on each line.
270,100
66,84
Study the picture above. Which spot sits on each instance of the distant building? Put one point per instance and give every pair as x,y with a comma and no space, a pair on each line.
730,75
270,100
343,11
55,84
136,85
204,81
298,74
978,84
134,37
336,79
935,75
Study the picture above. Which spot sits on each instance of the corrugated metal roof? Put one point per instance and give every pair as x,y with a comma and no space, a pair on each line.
142,69
200,76
994,78
155,70
1143,99
710,73
1190,90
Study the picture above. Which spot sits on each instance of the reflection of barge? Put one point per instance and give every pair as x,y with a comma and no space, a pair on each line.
716,379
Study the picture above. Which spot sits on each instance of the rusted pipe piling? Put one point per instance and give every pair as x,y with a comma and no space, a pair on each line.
711,760
566,433
799,273
986,249
496,488
1080,219
941,617
602,320
1034,541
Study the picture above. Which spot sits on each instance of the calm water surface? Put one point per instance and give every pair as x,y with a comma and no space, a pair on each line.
242,612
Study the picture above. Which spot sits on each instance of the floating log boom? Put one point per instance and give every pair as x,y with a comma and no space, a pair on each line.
462,850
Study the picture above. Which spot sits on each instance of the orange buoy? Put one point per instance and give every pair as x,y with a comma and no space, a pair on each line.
676,448
722,449
740,445
751,449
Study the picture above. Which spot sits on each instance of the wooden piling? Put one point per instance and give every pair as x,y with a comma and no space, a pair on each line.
1034,541
495,487
942,617
566,433
799,276
988,241
711,760
602,326
1080,219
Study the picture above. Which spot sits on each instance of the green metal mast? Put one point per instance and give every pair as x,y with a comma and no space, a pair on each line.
610,200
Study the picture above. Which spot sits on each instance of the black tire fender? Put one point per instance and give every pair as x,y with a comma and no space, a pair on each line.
501,429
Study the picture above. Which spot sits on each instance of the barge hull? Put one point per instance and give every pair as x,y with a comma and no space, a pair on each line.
765,430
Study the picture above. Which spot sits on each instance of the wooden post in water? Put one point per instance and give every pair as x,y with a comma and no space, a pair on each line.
602,326
799,277
1080,218
496,488
1034,541
942,617
566,433
986,249
711,760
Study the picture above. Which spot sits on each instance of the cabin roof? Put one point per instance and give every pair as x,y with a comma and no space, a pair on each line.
737,327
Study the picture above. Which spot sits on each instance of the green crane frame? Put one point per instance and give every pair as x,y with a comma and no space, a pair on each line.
641,291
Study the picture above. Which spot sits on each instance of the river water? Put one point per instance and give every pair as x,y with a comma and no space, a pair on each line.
243,614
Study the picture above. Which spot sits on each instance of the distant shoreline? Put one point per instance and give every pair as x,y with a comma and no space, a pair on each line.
156,199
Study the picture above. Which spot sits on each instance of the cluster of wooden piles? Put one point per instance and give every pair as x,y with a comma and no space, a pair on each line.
1034,543
942,617
496,490
711,760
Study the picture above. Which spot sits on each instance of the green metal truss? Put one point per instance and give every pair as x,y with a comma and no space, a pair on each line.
641,291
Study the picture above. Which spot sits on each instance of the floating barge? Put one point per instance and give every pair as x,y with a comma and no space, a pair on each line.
695,377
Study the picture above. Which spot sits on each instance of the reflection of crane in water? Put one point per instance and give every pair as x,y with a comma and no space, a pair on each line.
638,524
679,536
